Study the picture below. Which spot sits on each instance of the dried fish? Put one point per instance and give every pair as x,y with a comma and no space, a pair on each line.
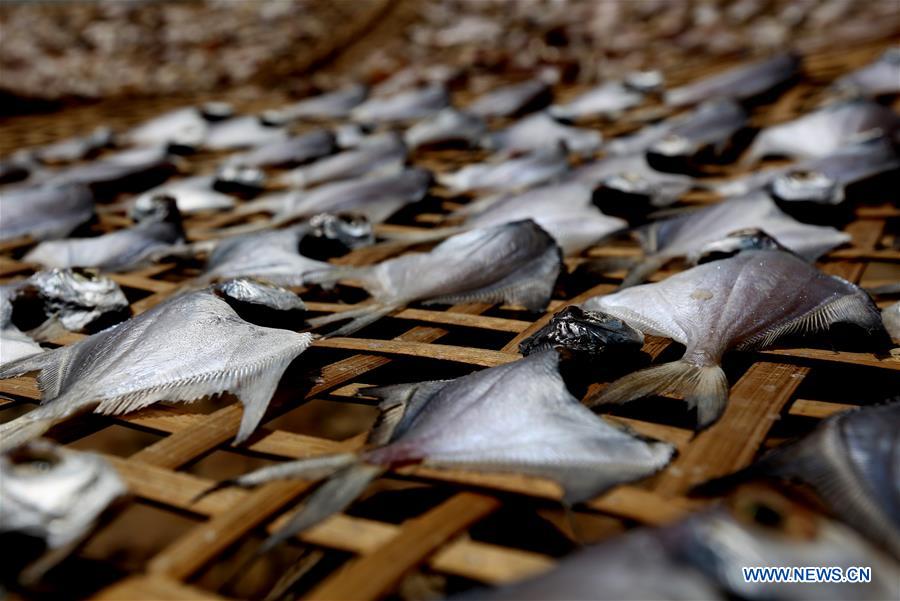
516,263
447,127
536,168
513,100
824,131
875,79
405,106
587,332
120,250
248,131
516,418
645,82
746,302
685,235
890,316
331,105
123,171
740,83
628,185
287,152
227,354
350,135
44,212
75,149
185,127
378,155
736,242
711,127
606,100
543,132
191,194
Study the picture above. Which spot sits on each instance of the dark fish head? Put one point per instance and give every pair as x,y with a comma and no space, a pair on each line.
736,242
808,186
258,292
156,209
350,231
583,332
216,111
76,297
237,179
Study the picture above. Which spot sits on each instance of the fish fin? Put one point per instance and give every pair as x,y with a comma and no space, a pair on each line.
581,485
359,318
703,386
855,309
643,270
328,277
387,421
400,404
255,394
333,496
24,365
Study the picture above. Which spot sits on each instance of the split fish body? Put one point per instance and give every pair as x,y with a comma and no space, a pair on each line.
44,212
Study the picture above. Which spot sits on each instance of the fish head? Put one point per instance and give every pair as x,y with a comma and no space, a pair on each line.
736,242
351,231
583,332
238,179
77,297
216,111
807,185
156,208
254,291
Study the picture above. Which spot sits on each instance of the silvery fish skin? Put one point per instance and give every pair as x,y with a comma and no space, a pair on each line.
331,105
890,316
739,83
380,154
54,493
633,176
182,127
74,149
587,332
606,100
350,135
227,354
191,194
541,131
737,242
248,131
744,302
685,235
823,132
645,81
261,292
516,418
511,100
448,126
120,250
44,212
516,263
711,125
879,77
405,106
536,168
117,170
288,152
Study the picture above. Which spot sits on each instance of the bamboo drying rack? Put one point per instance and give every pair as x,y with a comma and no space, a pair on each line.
775,394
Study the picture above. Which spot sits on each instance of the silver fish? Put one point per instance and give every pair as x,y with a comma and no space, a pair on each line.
192,195
823,132
606,100
516,418
248,131
350,135
185,127
541,131
740,83
890,316
630,176
74,149
685,235
516,263
512,100
879,77
587,332
227,354
120,250
44,212
261,292
746,302
331,105
536,168
380,154
737,242
123,171
711,126
448,126
288,152
405,106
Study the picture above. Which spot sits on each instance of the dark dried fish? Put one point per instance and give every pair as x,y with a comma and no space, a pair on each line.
587,332
536,168
378,155
542,132
405,106
44,212
513,100
740,83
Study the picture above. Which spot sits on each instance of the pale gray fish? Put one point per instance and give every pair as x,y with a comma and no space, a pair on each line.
516,418
890,316
685,235
448,126
606,100
119,250
74,149
515,263
711,126
518,173
378,154
261,292
350,135
824,131
739,83
14,343
138,362
288,152
116,172
404,106
631,175
852,461
240,179
512,100
875,79
192,195
646,82
184,127
248,131
585,332
19,167
541,131
331,105
744,302
44,212
736,242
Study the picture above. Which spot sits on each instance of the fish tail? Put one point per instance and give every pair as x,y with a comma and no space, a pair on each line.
24,365
330,276
28,427
643,270
703,386
359,318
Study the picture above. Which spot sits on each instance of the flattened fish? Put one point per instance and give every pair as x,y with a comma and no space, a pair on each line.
120,250
191,194
248,131
512,174
633,181
543,132
74,149
381,154
124,171
513,100
710,127
44,212
745,302
288,152
607,100
516,418
875,79
138,362
740,83
185,127
685,235
823,132
405,106
449,126
331,105
516,263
